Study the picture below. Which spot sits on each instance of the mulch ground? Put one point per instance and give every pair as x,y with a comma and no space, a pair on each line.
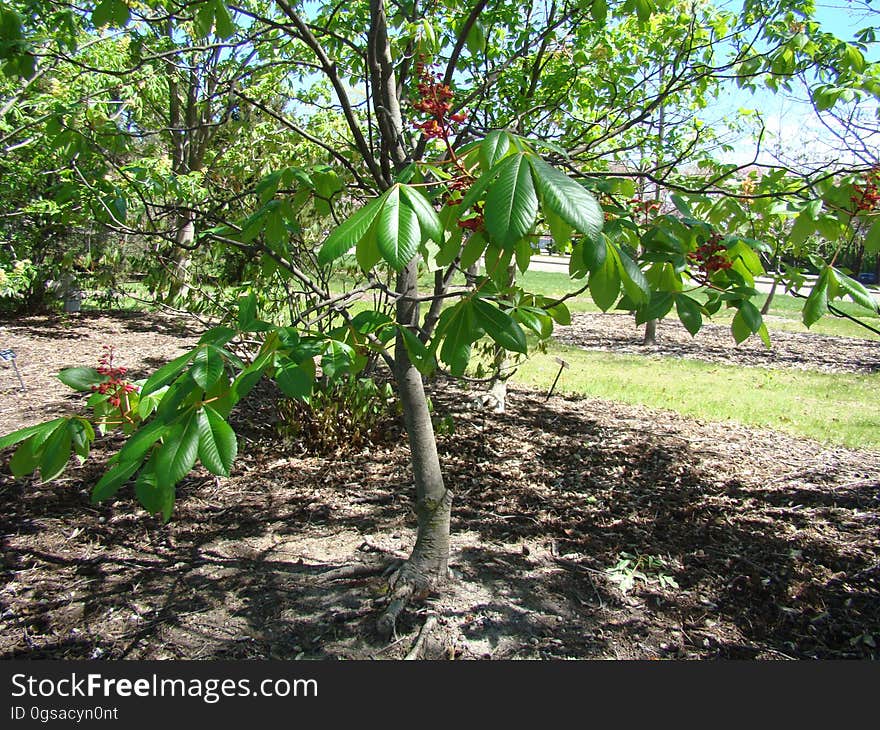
582,528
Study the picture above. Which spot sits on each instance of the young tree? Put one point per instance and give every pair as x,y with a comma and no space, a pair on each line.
447,123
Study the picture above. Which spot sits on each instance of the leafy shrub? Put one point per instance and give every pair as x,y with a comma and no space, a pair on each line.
348,413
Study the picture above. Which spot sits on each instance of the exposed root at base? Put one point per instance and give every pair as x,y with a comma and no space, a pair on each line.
425,632
409,582
361,570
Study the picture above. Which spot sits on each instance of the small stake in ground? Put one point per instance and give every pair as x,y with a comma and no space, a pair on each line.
562,365
9,356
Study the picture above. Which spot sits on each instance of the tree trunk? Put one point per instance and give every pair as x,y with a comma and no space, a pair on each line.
428,563
182,258
650,333
769,300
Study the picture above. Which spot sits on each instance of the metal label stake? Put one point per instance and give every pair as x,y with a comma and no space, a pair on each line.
562,366
9,356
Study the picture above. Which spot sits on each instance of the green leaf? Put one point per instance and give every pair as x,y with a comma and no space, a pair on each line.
177,456
81,379
55,454
165,374
500,326
511,202
26,458
218,445
350,231
856,291
113,480
459,330
537,320
816,305
108,12
155,494
751,315
472,250
604,281
140,442
429,222
397,231
740,328
493,148
559,229
689,312
658,307
569,200
337,358
872,237
593,252
207,366
247,310
420,356
804,226
523,253
295,381
43,429
634,282
223,24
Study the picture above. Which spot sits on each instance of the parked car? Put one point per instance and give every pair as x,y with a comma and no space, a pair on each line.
868,277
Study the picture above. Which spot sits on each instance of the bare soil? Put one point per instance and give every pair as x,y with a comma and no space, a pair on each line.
747,543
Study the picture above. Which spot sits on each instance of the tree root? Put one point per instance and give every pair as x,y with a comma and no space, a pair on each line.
361,570
419,643
409,582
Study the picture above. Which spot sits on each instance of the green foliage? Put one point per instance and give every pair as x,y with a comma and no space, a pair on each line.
349,413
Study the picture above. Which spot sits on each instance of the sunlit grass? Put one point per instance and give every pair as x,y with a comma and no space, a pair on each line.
833,408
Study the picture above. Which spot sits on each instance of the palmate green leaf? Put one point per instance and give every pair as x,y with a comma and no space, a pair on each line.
350,231
537,320
26,458
689,312
165,374
567,199
493,148
81,379
872,238
856,291
658,306
218,445
295,381
43,429
634,282
559,230
458,329
140,443
55,453
207,366
419,355
740,328
511,202
397,230
816,305
155,494
499,325
113,480
472,250
430,225
604,281
108,12
177,455
593,252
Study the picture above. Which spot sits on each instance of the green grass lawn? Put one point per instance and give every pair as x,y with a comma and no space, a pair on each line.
833,408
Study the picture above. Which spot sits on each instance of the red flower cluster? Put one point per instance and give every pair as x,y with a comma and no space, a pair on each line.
114,386
711,256
435,99
866,198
